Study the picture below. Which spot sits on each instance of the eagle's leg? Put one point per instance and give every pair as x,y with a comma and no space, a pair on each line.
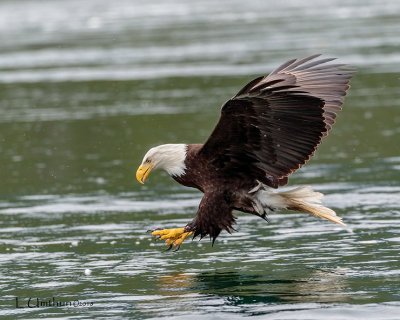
173,237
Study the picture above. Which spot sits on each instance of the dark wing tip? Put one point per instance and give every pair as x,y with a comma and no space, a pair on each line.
293,63
309,63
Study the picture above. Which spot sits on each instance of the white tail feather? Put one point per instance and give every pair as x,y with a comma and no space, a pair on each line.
303,199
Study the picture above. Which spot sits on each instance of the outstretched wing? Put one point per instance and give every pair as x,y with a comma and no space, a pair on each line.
275,123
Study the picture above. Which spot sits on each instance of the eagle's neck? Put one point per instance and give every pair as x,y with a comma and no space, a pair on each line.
173,159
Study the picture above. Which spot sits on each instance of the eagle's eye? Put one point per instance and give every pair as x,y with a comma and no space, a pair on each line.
148,160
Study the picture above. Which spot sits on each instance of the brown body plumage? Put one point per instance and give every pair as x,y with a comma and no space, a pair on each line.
222,193
266,132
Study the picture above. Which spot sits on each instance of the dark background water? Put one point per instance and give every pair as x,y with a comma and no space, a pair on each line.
87,87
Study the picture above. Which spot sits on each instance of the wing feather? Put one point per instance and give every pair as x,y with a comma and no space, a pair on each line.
274,124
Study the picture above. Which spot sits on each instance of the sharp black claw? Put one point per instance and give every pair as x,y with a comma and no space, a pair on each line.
177,248
169,247
155,237
150,231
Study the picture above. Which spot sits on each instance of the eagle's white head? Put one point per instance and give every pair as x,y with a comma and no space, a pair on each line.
170,157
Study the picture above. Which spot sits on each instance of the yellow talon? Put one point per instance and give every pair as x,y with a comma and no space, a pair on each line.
173,237
182,238
168,232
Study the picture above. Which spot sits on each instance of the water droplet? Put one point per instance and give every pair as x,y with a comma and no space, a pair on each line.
88,272
74,243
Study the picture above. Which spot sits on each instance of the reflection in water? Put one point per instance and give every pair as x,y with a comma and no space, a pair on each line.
240,288
177,283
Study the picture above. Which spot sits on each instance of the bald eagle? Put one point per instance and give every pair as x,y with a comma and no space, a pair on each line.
267,131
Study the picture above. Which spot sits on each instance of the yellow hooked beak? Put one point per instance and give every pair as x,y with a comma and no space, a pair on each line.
143,172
